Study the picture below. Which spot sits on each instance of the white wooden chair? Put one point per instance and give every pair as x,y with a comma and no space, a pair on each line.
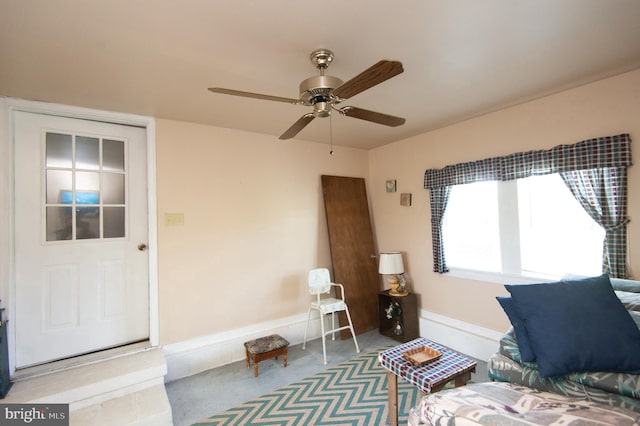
320,284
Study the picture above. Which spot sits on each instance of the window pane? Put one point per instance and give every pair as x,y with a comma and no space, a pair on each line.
471,229
58,223
113,155
87,223
113,186
87,153
114,222
58,187
557,236
87,197
87,188
58,150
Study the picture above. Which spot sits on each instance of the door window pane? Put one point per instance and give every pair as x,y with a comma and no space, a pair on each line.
58,150
87,222
113,155
87,153
113,185
114,222
87,187
59,223
59,186
87,197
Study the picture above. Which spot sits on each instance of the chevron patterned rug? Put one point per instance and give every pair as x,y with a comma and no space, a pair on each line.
351,393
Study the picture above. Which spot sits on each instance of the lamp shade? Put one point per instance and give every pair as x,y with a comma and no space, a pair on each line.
391,263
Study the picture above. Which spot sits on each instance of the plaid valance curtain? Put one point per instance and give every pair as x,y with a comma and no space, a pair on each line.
601,187
610,151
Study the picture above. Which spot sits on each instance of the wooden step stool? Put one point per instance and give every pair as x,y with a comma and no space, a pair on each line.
264,348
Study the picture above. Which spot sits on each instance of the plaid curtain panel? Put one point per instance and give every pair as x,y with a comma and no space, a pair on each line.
607,205
438,198
594,188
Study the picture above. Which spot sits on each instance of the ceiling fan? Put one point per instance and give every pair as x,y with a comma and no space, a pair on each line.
325,92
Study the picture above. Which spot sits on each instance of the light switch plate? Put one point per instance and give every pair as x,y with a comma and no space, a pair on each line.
174,219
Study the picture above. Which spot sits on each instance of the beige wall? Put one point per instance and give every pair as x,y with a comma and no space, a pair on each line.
254,218
254,225
607,107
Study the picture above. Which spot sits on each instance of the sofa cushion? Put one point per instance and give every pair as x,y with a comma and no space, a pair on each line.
577,325
526,351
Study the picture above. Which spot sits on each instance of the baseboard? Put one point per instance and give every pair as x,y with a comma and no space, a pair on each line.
194,356
470,339
200,354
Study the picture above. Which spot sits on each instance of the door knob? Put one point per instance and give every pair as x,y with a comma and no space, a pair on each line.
142,246
373,256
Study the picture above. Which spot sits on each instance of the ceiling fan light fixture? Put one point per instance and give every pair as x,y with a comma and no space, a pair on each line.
322,109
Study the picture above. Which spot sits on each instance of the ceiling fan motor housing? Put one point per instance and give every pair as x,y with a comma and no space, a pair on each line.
318,89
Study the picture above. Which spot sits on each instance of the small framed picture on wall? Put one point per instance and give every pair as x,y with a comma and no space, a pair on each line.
405,199
391,185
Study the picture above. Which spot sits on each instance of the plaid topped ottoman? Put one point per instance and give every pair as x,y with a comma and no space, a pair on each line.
264,348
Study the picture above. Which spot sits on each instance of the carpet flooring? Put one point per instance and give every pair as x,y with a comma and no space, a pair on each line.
351,393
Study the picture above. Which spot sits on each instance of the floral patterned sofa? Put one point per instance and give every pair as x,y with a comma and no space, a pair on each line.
508,404
613,389
527,393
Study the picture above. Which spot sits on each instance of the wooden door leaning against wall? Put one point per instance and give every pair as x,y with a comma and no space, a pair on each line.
352,249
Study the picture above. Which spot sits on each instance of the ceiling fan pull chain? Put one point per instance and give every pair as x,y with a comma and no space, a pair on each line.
331,134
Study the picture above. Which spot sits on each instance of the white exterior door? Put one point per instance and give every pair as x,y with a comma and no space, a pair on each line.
81,265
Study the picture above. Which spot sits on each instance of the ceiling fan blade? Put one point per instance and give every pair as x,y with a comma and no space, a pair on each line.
376,117
297,126
254,95
373,75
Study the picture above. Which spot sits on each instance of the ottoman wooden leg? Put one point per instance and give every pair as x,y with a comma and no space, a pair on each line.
255,369
247,355
285,357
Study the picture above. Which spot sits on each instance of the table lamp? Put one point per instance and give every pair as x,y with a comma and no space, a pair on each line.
391,264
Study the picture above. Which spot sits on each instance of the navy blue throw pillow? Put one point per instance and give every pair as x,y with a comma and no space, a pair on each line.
577,326
526,351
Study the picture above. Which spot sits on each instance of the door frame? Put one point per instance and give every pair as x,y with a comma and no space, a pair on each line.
8,107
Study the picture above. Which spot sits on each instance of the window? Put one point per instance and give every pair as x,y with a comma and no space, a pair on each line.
557,236
594,170
85,187
532,227
471,228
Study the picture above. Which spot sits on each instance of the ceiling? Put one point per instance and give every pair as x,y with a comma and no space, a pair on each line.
462,58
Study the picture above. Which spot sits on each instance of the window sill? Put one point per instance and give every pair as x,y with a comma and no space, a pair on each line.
496,277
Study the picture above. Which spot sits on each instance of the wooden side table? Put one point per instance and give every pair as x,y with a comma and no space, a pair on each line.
408,318
429,378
